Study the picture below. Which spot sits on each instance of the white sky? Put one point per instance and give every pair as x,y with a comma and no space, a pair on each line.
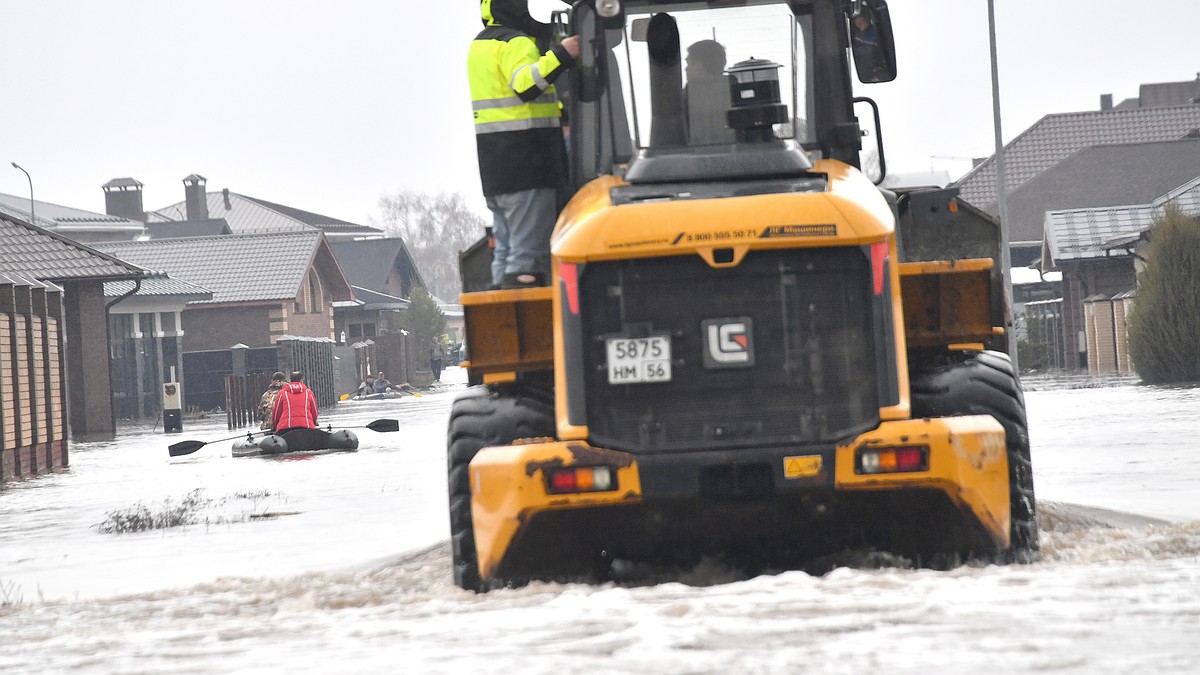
325,106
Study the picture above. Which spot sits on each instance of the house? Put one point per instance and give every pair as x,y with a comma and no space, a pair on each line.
1098,251
263,286
78,225
55,321
1057,137
251,215
1102,176
383,275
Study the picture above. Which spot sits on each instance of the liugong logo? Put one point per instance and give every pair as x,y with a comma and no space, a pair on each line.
728,343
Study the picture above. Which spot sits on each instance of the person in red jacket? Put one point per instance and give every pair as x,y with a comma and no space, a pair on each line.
295,406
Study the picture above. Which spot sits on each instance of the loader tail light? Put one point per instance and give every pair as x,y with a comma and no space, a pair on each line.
581,479
893,460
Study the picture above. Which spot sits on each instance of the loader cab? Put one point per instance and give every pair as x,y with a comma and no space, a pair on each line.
671,91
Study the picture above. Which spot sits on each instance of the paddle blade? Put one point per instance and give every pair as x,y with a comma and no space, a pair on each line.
383,426
185,448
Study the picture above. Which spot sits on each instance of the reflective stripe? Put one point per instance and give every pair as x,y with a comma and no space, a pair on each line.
512,101
517,125
542,83
534,74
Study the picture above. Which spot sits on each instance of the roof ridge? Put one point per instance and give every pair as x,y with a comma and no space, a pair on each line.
311,232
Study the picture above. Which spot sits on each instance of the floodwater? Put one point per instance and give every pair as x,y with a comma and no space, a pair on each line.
339,564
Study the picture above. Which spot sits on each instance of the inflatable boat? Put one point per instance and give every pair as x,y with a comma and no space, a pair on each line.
297,441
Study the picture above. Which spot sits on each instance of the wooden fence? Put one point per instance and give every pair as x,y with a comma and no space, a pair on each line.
242,394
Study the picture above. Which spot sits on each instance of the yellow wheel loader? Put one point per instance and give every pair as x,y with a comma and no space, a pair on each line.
748,348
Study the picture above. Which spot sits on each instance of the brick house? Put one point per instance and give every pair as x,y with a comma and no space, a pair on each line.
1057,137
1099,251
54,317
264,286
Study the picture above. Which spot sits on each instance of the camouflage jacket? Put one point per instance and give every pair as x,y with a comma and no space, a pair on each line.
266,405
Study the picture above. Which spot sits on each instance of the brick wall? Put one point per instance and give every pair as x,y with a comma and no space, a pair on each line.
32,429
215,328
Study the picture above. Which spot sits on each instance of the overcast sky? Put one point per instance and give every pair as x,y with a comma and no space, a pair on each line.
327,105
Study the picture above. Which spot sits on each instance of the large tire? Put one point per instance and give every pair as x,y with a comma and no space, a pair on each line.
483,416
985,383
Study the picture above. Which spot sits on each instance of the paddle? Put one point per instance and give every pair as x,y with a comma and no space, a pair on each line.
188,447
381,426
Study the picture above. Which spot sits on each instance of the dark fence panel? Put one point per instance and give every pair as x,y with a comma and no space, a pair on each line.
242,394
205,372
314,358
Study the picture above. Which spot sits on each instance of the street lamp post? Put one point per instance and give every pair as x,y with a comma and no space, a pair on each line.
1001,190
32,216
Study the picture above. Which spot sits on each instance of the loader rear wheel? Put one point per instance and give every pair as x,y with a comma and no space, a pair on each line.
985,383
483,416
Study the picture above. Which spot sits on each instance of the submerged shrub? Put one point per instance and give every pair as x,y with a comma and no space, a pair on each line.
139,517
1165,322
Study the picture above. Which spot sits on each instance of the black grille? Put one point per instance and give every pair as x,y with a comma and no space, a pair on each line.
813,377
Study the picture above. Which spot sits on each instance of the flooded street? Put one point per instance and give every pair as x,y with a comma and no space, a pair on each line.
339,564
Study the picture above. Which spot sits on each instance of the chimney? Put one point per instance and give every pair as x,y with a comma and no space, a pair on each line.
196,198
1106,101
123,198
225,194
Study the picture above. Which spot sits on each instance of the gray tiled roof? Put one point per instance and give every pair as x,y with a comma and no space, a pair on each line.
247,215
55,215
243,215
158,284
1055,137
1082,233
235,267
46,256
367,263
326,223
1108,175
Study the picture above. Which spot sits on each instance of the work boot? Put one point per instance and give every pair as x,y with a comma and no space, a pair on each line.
523,280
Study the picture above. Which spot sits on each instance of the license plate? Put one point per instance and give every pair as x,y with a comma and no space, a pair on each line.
639,360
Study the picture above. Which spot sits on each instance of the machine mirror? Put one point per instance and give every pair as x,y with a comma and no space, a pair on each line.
872,162
871,41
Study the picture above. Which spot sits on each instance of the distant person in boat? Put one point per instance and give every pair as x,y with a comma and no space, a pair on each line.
266,404
383,386
367,386
295,406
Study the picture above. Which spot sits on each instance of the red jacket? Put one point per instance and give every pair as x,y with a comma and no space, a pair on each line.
295,406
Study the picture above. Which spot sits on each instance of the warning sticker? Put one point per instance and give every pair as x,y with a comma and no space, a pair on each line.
802,467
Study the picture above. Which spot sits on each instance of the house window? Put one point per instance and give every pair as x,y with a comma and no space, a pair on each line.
356,331
312,295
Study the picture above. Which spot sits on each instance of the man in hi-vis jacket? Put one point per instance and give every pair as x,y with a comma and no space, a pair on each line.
518,133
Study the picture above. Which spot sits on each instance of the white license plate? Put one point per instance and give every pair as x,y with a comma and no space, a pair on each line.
638,360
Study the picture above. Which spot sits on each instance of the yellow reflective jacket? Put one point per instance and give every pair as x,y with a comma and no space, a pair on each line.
517,112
